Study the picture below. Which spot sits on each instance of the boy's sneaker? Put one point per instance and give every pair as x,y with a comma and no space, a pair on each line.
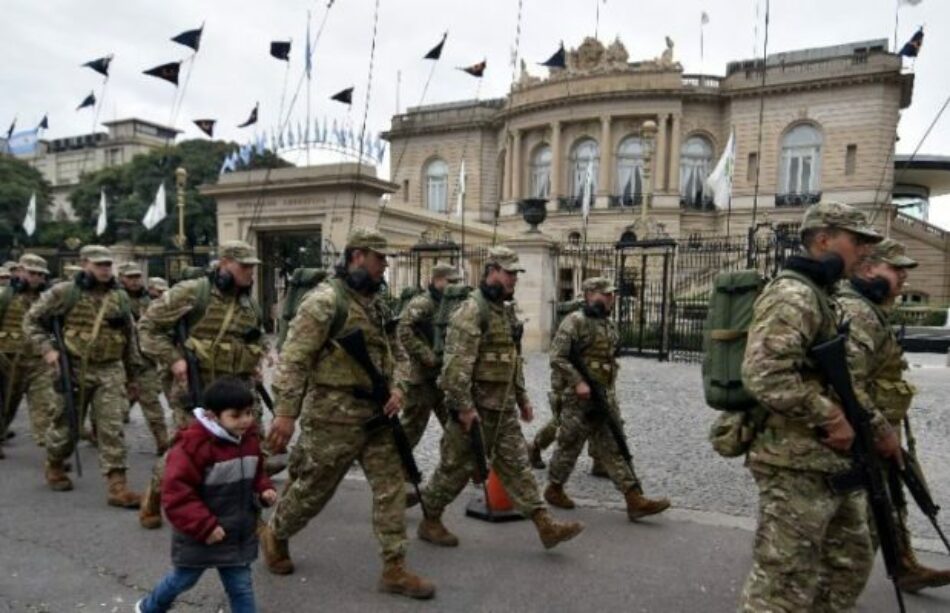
138,605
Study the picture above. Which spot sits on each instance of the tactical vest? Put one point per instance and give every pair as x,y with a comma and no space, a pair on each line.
219,338
599,353
335,368
82,339
497,354
11,328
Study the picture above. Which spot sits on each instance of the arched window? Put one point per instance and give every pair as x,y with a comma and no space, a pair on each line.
437,186
696,157
800,172
584,155
630,171
541,172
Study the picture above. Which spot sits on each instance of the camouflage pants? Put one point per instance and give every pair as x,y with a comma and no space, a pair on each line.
422,400
574,431
507,455
548,432
149,384
812,548
103,390
32,378
319,461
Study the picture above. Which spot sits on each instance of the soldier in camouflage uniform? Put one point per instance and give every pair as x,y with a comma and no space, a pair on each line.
22,370
156,287
332,435
877,366
100,340
483,382
416,334
591,331
812,547
5,276
224,333
146,387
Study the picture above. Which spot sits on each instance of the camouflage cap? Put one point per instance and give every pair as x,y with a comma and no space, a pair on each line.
838,215
96,254
504,258
239,251
71,269
367,238
33,263
130,269
192,272
894,253
602,285
157,283
10,265
445,271
4,272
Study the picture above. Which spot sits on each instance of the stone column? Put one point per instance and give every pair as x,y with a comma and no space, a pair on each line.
517,171
536,292
674,176
506,183
659,164
555,162
604,186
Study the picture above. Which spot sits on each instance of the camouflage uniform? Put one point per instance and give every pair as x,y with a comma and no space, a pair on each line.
812,548
22,370
332,436
149,380
415,332
100,341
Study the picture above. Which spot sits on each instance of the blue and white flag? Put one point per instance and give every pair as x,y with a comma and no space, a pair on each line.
23,142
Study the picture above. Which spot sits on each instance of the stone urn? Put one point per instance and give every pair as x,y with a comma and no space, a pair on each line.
534,211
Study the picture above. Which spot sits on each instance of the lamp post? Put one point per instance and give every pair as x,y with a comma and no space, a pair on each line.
181,176
647,135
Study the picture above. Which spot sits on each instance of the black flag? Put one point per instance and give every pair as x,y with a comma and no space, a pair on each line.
168,72
190,38
44,123
556,60
345,96
476,70
101,65
206,126
252,119
912,48
89,100
436,52
280,49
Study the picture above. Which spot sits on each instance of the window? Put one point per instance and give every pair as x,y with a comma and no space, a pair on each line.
695,164
752,169
850,159
801,161
630,170
541,172
437,186
585,154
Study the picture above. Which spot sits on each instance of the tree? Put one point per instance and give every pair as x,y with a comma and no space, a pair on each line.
18,181
130,189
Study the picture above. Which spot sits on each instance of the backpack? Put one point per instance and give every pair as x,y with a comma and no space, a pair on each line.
301,282
452,298
407,294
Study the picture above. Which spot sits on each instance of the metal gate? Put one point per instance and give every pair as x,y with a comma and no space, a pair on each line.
644,279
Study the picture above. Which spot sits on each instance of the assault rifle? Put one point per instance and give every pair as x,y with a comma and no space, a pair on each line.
354,344
265,396
193,396
868,469
481,458
913,479
64,385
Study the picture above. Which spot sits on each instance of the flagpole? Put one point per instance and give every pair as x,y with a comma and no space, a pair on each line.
897,13
702,27
309,80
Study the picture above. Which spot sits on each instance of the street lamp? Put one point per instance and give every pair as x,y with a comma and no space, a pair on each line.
181,176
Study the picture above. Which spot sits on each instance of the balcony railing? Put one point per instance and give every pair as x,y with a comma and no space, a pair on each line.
625,200
697,203
802,199
570,204
701,80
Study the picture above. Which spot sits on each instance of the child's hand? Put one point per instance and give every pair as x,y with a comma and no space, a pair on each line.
217,535
268,497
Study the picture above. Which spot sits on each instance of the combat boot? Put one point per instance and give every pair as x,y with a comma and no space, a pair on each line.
276,552
119,493
914,576
597,470
639,505
435,532
56,476
397,579
150,512
534,456
552,531
556,496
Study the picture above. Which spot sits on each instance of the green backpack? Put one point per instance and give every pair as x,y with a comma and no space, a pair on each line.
301,282
452,299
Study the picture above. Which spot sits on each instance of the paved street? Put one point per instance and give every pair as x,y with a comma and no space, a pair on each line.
70,552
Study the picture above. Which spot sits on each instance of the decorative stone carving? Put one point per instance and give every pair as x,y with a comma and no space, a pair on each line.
617,56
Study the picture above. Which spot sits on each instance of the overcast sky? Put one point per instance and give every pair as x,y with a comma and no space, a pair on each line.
43,43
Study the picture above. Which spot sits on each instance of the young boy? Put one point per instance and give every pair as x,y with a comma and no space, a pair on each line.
213,489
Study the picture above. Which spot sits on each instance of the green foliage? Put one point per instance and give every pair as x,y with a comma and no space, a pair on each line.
920,316
18,180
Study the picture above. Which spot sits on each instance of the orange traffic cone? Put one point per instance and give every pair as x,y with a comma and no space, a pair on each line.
498,500
494,505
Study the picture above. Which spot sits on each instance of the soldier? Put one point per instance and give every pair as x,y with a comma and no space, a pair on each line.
5,276
483,382
812,547
100,341
156,287
22,371
146,387
332,435
595,336
877,366
223,324
416,334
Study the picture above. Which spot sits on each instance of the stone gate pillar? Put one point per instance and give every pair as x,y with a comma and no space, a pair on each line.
536,292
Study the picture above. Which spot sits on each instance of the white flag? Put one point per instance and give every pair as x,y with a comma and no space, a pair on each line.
461,194
29,222
102,223
588,195
704,18
156,212
720,179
